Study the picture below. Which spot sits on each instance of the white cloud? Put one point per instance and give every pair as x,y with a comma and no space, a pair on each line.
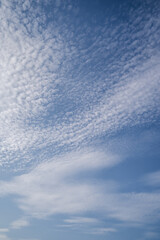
3,230
20,223
136,208
52,188
153,178
103,230
81,220
4,237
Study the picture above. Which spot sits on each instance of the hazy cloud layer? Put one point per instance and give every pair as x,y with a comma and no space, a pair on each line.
52,188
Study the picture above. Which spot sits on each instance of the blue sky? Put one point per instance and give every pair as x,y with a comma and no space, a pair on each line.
79,120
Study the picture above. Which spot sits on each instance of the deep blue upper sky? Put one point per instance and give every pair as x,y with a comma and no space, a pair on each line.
79,120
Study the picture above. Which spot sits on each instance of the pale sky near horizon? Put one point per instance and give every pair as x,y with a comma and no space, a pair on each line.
79,120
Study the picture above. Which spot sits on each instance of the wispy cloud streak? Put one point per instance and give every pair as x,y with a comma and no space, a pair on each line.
53,188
